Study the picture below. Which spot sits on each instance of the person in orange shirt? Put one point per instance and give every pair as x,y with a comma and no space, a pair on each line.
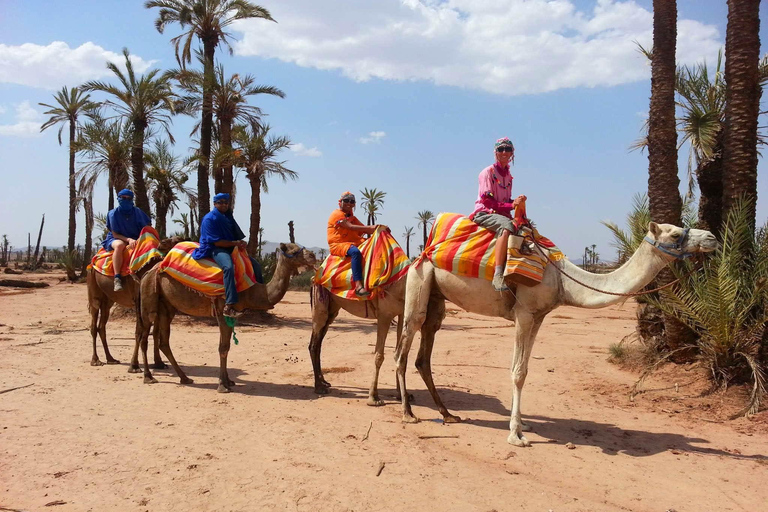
345,234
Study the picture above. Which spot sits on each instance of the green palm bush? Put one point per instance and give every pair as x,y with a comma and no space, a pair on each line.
726,304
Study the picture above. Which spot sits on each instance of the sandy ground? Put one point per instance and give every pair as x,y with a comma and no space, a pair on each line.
80,438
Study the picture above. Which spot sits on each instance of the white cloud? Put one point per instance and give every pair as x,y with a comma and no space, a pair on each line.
301,150
373,137
28,121
505,47
56,65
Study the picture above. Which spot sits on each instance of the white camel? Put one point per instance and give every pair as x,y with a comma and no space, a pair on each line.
428,287
384,308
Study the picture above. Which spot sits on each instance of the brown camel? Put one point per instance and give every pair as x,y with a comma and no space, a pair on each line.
162,297
101,298
384,308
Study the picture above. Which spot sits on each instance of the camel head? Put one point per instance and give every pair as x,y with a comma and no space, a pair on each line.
166,244
680,242
298,257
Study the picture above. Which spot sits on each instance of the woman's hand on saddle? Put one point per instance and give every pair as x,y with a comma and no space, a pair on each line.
242,244
385,228
519,200
131,243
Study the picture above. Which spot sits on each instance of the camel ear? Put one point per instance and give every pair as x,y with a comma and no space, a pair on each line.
654,229
283,247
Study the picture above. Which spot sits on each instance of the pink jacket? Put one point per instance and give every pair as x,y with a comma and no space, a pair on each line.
495,188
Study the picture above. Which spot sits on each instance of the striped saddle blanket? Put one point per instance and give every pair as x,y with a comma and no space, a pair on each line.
135,259
462,247
384,262
204,275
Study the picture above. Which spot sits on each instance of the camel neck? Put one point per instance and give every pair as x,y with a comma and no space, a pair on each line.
637,272
278,285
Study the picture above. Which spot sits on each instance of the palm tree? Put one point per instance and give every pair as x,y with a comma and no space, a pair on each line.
663,182
424,219
207,20
143,101
373,200
742,104
408,234
70,103
257,152
85,195
107,146
166,177
230,106
184,223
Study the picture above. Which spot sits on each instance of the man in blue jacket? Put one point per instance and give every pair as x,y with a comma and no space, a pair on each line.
219,235
124,225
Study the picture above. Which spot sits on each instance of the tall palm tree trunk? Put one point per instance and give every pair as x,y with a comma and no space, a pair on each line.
742,103
206,129
425,235
663,181
161,214
709,176
87,251
228,177
111,187
253,234
408,247
137,167
72,219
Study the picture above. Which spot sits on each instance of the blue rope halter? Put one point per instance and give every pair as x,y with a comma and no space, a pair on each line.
668,247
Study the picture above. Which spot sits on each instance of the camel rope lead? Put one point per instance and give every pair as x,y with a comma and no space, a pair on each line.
630,294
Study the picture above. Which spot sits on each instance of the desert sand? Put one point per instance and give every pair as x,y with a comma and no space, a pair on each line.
80,438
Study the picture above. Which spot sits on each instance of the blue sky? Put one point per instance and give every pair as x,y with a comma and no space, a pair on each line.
404,96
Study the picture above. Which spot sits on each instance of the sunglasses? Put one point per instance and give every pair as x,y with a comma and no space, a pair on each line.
221,202
505,149
124,197
348,201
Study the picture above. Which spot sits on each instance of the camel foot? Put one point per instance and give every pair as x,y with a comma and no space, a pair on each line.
450,418
324,382
375,401
399,397
112,360
231,384
222,389
134,369
96,362
185,380
149,380
410,418
526,427
322,389
159,365
520,441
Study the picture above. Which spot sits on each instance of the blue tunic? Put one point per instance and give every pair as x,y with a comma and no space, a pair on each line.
217,226
127,224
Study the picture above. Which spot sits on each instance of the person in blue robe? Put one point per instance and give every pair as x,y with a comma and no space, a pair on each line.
219,235
124,225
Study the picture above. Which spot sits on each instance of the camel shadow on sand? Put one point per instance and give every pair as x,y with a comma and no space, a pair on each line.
612,439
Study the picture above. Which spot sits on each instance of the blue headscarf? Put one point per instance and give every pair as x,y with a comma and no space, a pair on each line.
128,223
126,205
220,196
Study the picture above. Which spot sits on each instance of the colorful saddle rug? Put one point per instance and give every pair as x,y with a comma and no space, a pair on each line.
384,262
204,275
460,246
135,259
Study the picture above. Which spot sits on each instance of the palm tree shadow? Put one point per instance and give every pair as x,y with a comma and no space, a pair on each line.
612,439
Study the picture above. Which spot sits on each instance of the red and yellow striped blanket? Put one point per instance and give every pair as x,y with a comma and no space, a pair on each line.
204,275
462,247
384,262
144,251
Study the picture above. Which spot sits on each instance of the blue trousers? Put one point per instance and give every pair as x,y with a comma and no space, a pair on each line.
224,260
357,263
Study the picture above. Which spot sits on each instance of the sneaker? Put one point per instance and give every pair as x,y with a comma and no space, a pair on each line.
362,292
118,284
498,284
230,311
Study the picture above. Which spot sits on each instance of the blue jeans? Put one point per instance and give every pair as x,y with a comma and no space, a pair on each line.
224,260
357,263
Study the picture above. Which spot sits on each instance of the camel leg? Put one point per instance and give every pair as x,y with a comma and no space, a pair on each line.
382,329
158,364
322,318
398,396
435,315
134,366
225,335
105,308
165,316
94,311
526,328
416,301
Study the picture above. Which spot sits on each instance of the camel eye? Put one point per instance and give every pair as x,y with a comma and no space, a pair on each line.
676,236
